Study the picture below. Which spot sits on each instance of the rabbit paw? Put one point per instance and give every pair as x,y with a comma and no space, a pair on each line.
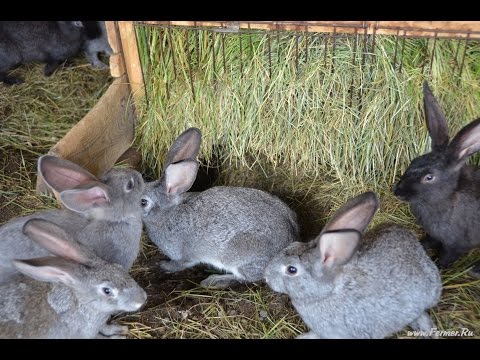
425,324
308,335
113,331
430,243
219,281
170,266
475,271
12,80
99,65
446,259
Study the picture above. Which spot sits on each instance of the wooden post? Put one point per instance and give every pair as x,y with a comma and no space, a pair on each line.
132,59
117,63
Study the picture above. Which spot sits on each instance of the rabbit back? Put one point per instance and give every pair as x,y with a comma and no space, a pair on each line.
221,222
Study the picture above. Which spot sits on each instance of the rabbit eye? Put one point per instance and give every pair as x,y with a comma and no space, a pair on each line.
107,291
129,186
428,178
291,270
144,202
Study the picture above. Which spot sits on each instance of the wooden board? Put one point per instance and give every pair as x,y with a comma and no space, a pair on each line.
102,136
117,64
132,59
440,29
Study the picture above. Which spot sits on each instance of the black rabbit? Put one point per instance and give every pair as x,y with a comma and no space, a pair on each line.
444,192
51,42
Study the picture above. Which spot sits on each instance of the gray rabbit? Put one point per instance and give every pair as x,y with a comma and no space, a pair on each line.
103,214
96,45
344,289
444,192
70,295
232,228
51,42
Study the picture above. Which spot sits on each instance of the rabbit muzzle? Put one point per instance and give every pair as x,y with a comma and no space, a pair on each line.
136,301
400,191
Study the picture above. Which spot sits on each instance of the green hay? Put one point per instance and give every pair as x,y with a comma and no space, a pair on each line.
302,133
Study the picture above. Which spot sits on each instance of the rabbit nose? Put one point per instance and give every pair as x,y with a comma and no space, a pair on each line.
396,187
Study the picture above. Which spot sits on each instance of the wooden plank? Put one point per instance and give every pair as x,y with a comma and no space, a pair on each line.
132,59
117,63
102,136
113,36
442,29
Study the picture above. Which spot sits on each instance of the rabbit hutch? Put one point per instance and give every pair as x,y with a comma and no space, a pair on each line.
314,112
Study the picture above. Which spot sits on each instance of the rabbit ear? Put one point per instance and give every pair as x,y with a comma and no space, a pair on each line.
61,174
465,143
355,214
48,269
436,121
81,200
179,177
54,239
337,248
185,147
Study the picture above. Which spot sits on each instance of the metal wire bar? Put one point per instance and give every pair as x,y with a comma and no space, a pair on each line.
189,60
463,57
403,49
241,53
169,33
162,54
269,56
433,53
395,54
214,57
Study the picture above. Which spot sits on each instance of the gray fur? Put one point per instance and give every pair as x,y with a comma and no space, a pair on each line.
72,306
93,47
51,42
112,229
447,207
232,228
386,285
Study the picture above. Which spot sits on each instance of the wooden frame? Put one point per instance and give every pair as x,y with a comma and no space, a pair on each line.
439,29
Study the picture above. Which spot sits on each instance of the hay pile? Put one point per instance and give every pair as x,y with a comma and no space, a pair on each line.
315,131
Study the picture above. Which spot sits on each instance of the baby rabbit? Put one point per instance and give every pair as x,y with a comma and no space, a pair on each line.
70,295
96,45
371,292
51,42
232,228
103,214
443,192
